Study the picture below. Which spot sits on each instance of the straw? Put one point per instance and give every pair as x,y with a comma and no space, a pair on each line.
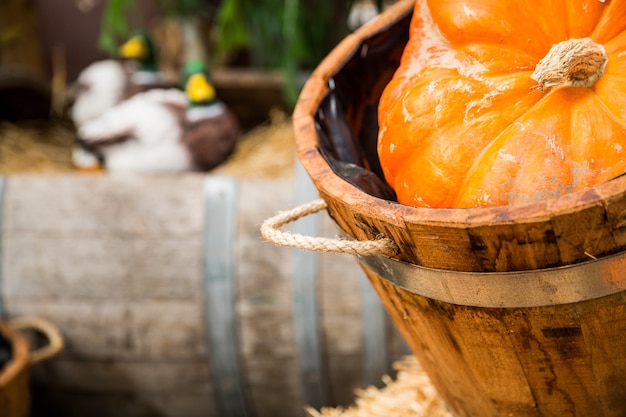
267,151
35,147
411,394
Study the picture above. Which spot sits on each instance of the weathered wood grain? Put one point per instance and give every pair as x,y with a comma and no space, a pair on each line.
531,362
116,263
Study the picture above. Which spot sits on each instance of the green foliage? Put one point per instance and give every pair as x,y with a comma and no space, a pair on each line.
233,32
286,35
265,21
118,13
279,30
115,24
182,8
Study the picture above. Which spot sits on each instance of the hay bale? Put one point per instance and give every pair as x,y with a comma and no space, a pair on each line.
266,151
411,394
35,147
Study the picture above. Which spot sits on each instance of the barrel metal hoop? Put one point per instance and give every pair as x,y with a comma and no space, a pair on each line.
376,355
306,309
219,295
536,288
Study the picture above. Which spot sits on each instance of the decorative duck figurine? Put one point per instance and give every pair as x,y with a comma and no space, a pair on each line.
103,84
165,130
139,56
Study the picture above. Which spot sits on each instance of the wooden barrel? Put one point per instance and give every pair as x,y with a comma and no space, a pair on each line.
172,305
512,310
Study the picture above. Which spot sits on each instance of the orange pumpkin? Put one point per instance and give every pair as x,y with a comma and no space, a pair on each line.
506,102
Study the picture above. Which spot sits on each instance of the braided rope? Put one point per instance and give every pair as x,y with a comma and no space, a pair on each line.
271,232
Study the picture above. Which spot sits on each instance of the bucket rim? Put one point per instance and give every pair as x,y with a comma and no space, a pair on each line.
606,200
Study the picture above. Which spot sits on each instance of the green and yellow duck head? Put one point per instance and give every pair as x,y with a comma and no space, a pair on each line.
197,85
140,49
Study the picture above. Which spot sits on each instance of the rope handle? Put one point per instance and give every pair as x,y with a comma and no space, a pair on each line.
49,330
270,229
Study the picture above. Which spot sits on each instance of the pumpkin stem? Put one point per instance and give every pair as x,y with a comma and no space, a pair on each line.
571,63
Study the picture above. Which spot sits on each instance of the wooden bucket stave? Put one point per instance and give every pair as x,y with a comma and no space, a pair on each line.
14,377
119,263
555,356
15,395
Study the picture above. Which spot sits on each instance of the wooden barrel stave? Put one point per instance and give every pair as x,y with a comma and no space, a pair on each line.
116,263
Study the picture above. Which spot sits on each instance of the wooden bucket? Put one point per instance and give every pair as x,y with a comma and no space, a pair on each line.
15,398
172,305
14,388
511,310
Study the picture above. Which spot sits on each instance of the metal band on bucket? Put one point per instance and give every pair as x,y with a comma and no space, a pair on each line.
543,287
